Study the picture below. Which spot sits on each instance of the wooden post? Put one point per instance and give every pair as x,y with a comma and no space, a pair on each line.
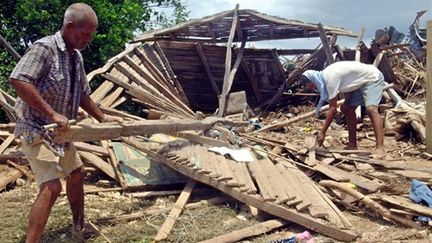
326,46
429,88
9,48
228,62
358,49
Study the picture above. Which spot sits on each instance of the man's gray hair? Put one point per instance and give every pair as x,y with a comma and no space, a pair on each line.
79,13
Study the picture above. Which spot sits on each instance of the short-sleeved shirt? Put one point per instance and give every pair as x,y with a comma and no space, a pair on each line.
48,66
348,76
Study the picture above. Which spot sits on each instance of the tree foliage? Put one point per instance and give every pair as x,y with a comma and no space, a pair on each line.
24,21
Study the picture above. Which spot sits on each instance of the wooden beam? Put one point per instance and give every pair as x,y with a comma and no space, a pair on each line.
254,230
222,98
230,80
166,227
359,41
384,212
9,48
106,131
6,143
206,65
327,49
98,163
252,79
384,65
91,148
152,69
111,61
429,88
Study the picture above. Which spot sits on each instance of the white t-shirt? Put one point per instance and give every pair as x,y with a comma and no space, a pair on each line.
347,76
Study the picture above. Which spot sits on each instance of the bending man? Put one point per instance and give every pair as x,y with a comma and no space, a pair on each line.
362,84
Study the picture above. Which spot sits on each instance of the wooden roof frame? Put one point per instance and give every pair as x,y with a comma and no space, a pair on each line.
258,26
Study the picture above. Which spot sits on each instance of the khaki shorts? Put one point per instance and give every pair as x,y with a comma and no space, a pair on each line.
45,164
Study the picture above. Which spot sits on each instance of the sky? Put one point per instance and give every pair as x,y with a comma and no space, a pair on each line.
349,14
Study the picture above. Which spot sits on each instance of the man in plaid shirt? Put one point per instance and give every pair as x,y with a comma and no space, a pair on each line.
51,85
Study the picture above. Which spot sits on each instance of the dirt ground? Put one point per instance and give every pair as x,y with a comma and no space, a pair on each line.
194,225
208,221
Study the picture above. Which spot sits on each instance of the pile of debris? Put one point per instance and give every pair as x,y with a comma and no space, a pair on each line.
270,163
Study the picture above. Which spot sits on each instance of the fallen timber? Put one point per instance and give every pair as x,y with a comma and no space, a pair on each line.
241,191
105,131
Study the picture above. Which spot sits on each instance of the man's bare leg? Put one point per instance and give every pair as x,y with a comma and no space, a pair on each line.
351,120
377,124
75,195
39,213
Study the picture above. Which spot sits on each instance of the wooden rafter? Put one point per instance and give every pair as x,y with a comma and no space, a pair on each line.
327,49
206,65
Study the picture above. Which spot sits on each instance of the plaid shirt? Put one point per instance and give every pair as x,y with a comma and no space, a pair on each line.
48,66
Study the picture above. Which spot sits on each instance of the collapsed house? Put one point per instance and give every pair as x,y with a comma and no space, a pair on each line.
179,74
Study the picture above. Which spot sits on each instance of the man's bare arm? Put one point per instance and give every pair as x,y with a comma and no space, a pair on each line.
331,113
91,108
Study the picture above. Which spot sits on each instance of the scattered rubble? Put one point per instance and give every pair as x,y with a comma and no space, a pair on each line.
170,74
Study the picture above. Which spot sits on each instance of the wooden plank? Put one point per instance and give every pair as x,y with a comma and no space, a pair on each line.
429,88
111,98
248,179
265,188
254,230
153,70
325,43
206,65
238,175
98,163
309,143
118,102
359,41
101,91
331,172
407,204
8,108
110,62
91,148
166,227
8,141
146,97
227,170
271,208
378,208
277,182
114,163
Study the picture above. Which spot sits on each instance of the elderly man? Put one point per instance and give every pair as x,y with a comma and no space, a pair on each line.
362,84
51,85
